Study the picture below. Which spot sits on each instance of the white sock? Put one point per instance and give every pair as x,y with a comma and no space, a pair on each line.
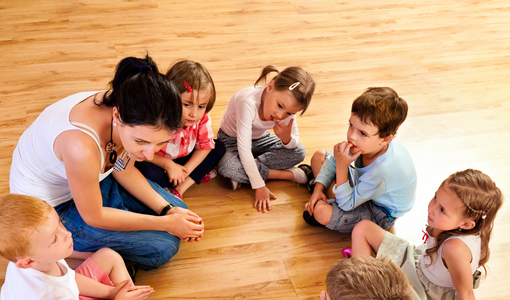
299,175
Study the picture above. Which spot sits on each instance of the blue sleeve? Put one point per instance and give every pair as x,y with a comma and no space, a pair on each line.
366,188
328,170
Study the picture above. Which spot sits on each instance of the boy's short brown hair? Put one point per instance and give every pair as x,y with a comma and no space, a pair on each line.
367,278
382,107
20,216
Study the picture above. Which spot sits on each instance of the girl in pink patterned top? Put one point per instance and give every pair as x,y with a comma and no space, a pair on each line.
191,154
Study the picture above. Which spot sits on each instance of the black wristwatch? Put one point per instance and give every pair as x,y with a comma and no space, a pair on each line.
166,209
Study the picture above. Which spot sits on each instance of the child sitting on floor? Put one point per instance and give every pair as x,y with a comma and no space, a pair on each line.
381,185
460,220
191,154
253,154
35,242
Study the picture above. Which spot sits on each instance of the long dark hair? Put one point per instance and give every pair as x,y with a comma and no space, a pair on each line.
143,96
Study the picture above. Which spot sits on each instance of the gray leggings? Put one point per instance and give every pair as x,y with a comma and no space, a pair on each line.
268,150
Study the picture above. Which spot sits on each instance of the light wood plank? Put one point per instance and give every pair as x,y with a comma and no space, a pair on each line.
449,60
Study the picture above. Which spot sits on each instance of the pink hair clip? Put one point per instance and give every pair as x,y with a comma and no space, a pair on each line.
484,216
278,72
188,88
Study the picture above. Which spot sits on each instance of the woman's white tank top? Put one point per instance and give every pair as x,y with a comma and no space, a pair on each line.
35,169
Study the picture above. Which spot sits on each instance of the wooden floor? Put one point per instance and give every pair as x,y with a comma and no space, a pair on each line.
448,58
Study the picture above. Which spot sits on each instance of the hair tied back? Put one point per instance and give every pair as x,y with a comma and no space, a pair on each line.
144,68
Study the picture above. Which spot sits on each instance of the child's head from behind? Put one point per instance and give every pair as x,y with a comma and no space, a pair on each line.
366,278
31,231
196,86
381,107
293,82
474,200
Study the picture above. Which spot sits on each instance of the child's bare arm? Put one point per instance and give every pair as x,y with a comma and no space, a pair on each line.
122,291
89,287
457,258
80,255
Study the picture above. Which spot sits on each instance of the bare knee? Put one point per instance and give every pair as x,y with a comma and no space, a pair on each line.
106,256
322,212
106,252
319,157
317,160
362,228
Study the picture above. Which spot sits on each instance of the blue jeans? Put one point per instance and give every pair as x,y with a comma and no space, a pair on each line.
149,248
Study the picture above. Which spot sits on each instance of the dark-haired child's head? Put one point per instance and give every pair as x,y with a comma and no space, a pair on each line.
366,278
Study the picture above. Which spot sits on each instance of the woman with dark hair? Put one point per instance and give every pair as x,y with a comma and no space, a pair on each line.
67,155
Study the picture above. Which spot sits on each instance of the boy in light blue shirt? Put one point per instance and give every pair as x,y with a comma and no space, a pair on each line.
381,184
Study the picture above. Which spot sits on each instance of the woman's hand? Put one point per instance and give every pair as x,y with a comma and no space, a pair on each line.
184,211
176,173
184,224
263,198
316,196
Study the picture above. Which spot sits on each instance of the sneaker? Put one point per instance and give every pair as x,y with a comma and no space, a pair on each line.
311,220
132,268
310,179
234,184
346,252
299,175
209,176
173,192
206,178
